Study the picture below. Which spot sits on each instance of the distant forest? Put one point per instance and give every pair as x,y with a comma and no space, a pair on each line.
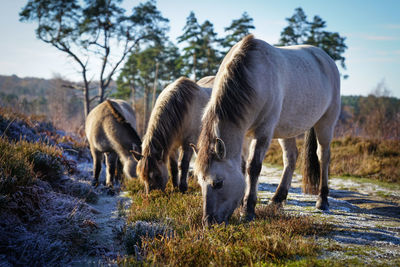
373,116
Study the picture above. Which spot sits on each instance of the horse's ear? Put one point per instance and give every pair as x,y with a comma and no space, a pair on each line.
136,155
219,148
194,148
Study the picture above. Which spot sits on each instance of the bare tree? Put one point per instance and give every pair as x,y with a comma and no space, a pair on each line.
87,30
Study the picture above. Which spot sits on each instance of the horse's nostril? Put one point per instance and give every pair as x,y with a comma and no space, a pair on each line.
217,184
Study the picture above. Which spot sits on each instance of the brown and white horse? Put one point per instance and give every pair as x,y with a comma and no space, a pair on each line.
174,124
266,92
110,130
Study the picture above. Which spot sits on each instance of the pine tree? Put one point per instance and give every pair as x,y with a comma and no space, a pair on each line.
302,31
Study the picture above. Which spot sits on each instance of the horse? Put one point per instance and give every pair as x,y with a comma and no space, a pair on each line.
110,130
266,92
174,123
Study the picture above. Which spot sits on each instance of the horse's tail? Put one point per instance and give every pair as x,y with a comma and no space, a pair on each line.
121,119
311,168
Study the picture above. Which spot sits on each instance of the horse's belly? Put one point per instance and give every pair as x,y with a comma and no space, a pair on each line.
293,125
286,131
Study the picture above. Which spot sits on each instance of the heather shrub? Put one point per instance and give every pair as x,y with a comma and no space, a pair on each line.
354,156
166,228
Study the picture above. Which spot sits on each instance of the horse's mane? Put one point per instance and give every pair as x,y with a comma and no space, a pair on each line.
121,119
168,115
232,96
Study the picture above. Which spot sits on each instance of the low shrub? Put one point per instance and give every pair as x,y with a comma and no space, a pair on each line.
23,162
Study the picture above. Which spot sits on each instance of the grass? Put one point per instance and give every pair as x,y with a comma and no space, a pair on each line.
355,157
273,237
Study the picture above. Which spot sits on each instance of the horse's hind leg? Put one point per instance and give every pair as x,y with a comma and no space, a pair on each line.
97,158
290,153
111,163
324,133
173,169
184,161
258,148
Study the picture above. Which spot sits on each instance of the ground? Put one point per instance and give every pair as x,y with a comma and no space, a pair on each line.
366,222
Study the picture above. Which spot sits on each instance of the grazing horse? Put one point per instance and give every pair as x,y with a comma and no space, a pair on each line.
174,123
266,92
110,129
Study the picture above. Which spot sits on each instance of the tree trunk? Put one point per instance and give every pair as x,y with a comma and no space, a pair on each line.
101,92
86,98
133,94
154,87
145,109
194,66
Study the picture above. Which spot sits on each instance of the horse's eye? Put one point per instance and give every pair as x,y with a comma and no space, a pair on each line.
217,184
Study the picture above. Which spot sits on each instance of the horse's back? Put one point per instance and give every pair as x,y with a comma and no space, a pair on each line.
297,84
126,110
206,82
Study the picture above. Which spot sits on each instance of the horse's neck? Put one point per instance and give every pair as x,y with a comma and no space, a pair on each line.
233,137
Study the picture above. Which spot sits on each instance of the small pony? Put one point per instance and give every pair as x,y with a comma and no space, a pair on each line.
266,92
174,123
110,130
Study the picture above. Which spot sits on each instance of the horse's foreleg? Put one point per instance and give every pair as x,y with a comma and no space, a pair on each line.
173,169
118,176
184,162
111,163
97,157
290,153
258,148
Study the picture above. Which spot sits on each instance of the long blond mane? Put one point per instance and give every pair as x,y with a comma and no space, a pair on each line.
233,94
168,115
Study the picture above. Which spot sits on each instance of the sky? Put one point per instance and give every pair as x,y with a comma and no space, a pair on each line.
371,28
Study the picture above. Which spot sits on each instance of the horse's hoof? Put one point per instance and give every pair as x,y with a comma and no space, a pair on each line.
110,192
250,217
183,188
276,204
95,183
322,204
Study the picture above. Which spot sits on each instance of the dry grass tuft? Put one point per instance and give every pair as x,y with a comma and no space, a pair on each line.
355,156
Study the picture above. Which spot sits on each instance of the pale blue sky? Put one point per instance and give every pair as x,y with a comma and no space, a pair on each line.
372,29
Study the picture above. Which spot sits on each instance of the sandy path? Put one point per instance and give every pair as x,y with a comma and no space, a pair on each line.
363,221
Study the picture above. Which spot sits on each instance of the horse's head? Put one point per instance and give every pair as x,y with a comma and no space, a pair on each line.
222,185
152,171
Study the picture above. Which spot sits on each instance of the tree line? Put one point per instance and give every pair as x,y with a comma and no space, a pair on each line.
90,30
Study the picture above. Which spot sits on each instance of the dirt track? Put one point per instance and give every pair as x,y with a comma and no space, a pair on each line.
367,227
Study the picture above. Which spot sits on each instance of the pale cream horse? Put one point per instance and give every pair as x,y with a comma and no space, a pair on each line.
174,124
111,130
266,92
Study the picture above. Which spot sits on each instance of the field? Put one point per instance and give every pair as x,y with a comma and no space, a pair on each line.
51,215
354,157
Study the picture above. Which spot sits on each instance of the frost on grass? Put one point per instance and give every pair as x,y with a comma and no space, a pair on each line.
45,218
139,230
44,228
